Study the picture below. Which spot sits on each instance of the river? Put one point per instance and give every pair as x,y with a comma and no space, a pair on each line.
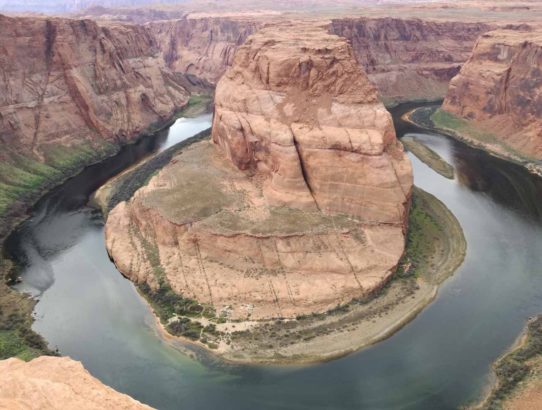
440,360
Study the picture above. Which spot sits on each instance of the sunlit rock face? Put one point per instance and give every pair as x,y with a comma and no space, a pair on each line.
298,204
296,108
49,383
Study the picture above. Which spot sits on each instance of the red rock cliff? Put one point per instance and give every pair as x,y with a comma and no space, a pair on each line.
201,47
296,107
72,91
409,59
499,90
65,81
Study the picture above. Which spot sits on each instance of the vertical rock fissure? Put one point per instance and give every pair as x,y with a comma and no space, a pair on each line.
304,172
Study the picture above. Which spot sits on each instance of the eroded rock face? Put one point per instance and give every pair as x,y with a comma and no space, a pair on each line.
409,59
56,383
297,108
72,81
201,47
499,89
299,204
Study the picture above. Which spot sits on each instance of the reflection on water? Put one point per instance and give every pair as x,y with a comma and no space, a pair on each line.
438,361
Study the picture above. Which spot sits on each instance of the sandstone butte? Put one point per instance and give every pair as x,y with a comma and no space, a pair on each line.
57,383
300,202
498,92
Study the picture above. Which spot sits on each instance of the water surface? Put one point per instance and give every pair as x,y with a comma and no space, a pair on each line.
438,361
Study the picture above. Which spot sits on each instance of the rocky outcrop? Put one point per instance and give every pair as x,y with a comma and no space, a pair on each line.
56,383
499,92
300,204
302,112
409,59
201,47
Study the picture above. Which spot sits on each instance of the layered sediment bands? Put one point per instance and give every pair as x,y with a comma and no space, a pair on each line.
409,59
297,108
71,92
56,383
201,47
499,90
298,206
65,81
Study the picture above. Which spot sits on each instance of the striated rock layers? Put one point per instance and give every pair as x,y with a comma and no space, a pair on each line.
64,81
56,383
409,59
201,48
499,90
298,205
71,92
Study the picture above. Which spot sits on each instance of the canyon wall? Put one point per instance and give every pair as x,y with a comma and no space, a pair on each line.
409,59
300,203
406,59
201,47
57,383
72,91
499,93
69,80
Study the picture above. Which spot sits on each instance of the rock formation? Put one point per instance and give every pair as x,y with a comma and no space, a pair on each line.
56,383
301,203
409,59
201,47
71,92
499,91
67,81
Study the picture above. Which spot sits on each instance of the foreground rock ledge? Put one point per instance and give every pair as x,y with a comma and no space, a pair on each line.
56,383
300,206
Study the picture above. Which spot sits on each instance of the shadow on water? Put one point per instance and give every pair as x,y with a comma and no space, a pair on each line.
438,361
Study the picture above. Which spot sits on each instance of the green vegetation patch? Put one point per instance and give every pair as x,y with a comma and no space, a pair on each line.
435,244
445,121
178,314
17,339
516,366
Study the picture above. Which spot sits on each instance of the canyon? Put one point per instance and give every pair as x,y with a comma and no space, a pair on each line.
297,208
55,383
202,48
496,99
